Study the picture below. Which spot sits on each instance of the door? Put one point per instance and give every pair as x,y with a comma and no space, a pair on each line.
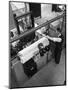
36,9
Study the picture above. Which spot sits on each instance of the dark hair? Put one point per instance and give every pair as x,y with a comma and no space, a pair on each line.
14,15
58,29
11,34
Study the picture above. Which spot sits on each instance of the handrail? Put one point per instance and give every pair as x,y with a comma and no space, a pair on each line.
38,27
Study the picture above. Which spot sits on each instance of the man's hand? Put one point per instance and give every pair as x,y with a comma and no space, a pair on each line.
54,39
57,39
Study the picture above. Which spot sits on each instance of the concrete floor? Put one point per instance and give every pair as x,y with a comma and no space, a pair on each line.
51,74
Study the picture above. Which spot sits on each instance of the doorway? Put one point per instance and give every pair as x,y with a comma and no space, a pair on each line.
36,9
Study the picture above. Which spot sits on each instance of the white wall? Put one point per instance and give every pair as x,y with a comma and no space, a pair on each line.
45,9
17,5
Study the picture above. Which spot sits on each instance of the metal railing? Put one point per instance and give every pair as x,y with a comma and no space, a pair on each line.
38,27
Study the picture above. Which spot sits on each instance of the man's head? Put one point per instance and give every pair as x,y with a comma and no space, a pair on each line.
59,31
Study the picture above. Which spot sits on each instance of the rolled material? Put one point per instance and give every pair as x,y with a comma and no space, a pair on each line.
28,52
